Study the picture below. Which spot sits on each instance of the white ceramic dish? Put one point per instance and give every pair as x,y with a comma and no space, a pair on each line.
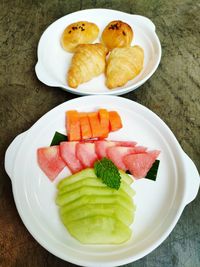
53,61
159,204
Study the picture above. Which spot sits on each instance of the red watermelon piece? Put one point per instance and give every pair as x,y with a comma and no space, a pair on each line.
102,146
85,152
140,164
68,153
125,143
50,161
117,153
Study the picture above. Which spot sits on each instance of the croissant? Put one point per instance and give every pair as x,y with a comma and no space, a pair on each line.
117,34
88,61
81,32
123,65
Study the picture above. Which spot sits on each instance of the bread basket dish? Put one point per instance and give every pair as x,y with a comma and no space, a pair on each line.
55,51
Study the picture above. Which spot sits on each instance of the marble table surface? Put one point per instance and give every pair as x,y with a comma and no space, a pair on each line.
173,93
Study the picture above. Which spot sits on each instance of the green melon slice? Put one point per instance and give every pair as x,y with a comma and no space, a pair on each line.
113,210
88,172
92,199
92,181
125,177
99,230
63,199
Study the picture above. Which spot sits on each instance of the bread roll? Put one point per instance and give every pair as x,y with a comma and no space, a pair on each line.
117,34
81,32
123,65
89,61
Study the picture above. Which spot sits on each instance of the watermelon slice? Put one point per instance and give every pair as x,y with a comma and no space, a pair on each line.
101,146
117,153
85,152
125,143
50,161
68,153
140,164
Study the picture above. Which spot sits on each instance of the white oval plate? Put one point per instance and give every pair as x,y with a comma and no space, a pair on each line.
53,61
159,204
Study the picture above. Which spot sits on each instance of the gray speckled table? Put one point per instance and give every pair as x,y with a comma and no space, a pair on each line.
172,93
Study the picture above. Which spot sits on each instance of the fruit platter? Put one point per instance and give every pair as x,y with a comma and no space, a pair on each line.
100,181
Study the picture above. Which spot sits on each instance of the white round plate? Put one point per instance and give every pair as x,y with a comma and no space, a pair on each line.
159,204
53,60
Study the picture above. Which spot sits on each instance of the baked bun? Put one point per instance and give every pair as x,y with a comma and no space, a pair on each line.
123,65
88,61
117,34
81,32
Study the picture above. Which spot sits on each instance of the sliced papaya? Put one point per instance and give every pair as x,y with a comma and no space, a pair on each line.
104,122
95,125
115,121
86,132
73,125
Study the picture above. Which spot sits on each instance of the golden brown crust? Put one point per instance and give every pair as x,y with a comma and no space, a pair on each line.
81,32
88,61
123,65
117,34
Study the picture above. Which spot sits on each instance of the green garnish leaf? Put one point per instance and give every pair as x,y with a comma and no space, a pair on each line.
152,173
58,138
108,172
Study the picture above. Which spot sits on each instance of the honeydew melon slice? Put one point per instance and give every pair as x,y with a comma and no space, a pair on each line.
126,178
99,230
63,199
93,199
86,173
92,181
113,210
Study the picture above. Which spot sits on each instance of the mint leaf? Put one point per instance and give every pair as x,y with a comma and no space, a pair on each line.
108,172
58,137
